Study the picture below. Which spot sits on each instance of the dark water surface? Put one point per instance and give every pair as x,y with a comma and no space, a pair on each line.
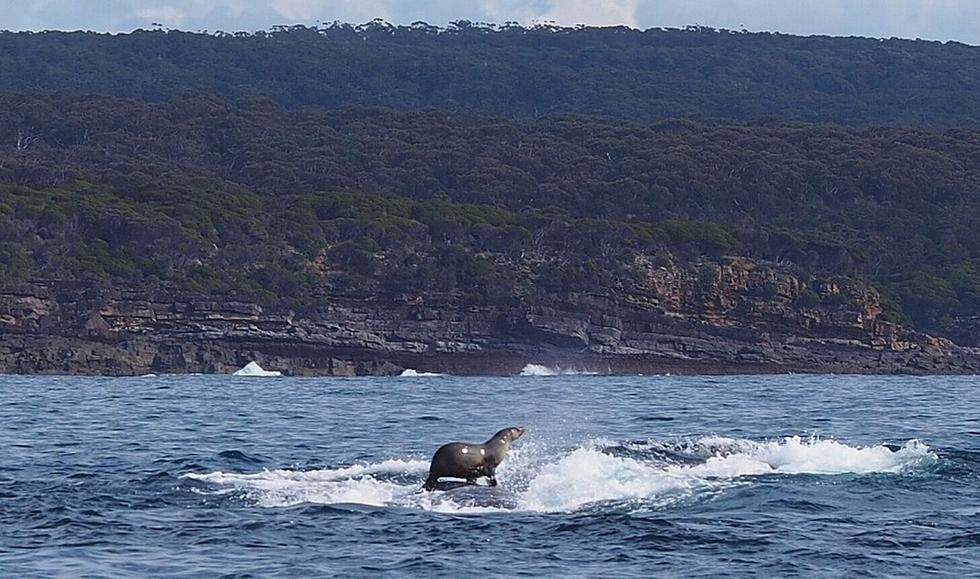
206,476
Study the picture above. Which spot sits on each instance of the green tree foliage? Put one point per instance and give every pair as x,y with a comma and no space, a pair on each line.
513,71
296,204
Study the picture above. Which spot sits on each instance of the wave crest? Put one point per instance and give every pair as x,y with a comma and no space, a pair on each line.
412,373
541,370
653,473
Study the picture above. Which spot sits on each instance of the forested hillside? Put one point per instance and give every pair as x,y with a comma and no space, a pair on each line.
512,71
296,205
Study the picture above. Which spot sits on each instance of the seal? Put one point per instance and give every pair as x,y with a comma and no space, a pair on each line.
470,461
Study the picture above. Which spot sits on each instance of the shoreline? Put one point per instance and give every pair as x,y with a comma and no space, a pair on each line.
500,365
71,329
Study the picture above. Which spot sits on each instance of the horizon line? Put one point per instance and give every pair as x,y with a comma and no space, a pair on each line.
454,26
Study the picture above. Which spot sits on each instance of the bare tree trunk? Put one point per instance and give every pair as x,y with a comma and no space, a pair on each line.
25,138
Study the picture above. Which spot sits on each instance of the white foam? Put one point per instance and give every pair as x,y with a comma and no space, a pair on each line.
537,481
253,369
588,476
354,484
392,466
540,370
795,455
410,373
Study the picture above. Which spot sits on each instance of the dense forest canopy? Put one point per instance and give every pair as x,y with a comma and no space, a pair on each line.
518,72
299,204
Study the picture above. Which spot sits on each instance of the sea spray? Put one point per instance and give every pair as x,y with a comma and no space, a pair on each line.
541,370
411,373
370,484
588,474
253,369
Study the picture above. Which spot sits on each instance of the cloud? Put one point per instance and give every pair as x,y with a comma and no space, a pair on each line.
524,12
594,12
309,11
934,19
562,12
168,14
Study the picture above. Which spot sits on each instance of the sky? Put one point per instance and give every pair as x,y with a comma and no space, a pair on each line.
929,19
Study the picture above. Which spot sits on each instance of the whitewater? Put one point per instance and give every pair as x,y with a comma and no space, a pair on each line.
617,476
587,475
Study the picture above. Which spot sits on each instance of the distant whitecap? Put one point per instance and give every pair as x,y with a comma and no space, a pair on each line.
410,373
541,370
253,369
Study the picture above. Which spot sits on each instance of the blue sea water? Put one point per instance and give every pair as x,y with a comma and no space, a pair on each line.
220,476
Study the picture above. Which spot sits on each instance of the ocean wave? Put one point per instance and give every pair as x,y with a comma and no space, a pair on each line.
376,484
253,369
534,479
541,370
410,373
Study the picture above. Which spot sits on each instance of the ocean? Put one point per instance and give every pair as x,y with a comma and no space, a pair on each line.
618,476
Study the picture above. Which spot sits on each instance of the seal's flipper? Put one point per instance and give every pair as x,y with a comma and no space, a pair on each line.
430,483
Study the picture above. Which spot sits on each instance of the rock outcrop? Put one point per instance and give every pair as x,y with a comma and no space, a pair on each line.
730,317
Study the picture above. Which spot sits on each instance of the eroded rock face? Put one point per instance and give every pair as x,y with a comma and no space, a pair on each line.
734,316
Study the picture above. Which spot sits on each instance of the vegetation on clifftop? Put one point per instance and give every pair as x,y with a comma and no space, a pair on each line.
518,72
301,204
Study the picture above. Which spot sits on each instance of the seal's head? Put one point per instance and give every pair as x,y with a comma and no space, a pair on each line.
509,435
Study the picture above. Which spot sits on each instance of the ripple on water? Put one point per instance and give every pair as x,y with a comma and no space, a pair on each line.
720,476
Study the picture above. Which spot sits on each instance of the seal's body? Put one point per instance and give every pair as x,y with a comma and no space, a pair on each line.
469,460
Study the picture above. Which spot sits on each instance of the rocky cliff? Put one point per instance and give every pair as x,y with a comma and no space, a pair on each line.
727,317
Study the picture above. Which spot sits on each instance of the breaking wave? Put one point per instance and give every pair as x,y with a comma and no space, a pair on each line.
370,484
645,474
253,369
410,373
540,370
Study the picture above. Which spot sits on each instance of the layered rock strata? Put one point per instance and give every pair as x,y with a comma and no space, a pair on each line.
731,317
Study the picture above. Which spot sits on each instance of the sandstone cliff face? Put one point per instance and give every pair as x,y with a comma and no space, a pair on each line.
735,316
